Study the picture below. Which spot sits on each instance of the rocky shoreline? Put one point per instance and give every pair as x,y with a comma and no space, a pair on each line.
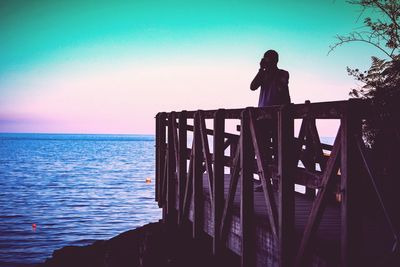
146,246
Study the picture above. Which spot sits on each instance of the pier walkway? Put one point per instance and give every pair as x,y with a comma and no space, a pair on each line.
242,189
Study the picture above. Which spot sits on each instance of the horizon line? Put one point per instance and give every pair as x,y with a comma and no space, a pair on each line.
76,133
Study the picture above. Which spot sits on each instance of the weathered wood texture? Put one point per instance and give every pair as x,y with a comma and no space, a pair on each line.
247,218
218,181
214,193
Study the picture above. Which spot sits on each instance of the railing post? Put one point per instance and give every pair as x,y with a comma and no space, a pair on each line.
218,193
232,149
247,193
351,185
286,165
160,155
171,191
197,179
310,162
182,162
157,148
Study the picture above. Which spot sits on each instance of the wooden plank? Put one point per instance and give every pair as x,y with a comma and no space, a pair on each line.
247,223
330,110
265,179
303,155
351,205
319,110
319,204
157,187
206,153
218,180
309,163
211,132
263,113
171,191
164,183
209,114
232,150
164,190
306,155
175,139
302,132
161,155
197,180
318,148
325,110
286,165
188,187
228,207
182,175
300,140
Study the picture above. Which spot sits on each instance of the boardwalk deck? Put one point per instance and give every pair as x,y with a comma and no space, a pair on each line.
278,226
328,235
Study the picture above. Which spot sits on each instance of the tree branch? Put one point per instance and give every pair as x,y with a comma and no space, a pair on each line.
360,38
393,19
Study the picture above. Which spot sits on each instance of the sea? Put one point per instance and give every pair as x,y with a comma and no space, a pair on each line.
71,189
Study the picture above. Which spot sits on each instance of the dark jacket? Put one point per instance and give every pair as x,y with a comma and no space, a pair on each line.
274,87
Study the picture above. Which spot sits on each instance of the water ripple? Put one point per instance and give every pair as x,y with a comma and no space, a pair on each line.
75,188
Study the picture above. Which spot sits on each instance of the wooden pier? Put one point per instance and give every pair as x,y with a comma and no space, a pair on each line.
239,188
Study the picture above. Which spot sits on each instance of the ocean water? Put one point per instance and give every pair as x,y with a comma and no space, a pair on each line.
75,188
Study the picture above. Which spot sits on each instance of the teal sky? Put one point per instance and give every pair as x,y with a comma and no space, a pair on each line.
94,55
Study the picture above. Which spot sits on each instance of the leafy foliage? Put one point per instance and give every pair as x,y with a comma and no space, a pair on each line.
382,88
381,83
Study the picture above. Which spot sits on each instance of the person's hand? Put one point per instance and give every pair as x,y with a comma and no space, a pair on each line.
263,64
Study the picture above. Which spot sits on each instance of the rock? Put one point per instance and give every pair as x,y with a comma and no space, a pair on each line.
130,248
152,245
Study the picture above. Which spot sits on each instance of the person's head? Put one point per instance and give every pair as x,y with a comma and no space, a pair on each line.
271,58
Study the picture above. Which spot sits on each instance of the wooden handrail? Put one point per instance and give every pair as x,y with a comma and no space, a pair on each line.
276,163
318,110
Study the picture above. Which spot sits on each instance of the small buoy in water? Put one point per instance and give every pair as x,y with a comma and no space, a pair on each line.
33,226
148,180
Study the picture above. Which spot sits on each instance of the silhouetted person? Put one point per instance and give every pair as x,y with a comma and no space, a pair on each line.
274,85
273,81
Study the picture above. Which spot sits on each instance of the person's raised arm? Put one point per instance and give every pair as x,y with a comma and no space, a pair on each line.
259,77
257,80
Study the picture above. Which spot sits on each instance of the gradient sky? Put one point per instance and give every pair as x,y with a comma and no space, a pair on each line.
110,66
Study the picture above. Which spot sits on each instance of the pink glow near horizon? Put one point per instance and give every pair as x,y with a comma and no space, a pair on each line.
125,99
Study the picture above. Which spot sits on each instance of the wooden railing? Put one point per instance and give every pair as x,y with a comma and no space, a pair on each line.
266,146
